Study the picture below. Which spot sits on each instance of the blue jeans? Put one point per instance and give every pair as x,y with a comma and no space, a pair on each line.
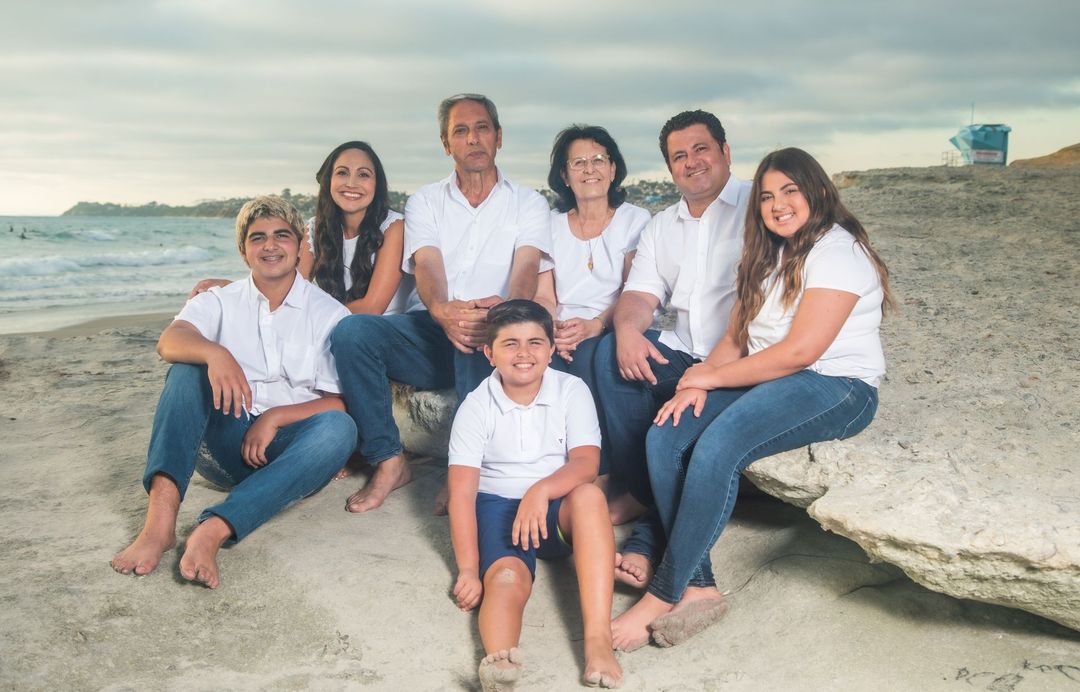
583,366
303,457
695,467
371,350
629,407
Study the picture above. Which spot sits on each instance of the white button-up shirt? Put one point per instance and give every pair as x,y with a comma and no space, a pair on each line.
285,354
515,445
692,262
477,243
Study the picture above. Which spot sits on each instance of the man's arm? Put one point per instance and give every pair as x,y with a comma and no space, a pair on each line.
181,342
463,322
633,315
524,272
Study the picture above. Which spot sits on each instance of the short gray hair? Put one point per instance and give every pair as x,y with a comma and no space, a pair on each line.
450,101
268,207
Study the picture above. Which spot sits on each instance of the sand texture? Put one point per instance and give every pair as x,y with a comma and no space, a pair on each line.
966,481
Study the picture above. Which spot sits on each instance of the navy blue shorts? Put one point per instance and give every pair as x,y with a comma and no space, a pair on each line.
494,521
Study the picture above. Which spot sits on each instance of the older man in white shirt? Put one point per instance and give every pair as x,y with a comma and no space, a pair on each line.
252,379
472,240
686,255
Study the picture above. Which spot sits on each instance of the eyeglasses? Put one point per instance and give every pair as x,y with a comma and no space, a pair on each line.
598,161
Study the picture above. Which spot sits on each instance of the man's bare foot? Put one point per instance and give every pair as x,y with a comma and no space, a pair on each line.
624,509
390,474
601,667
442,502
699,608
633,569
500,671
199,562
144,553
630,630
351,468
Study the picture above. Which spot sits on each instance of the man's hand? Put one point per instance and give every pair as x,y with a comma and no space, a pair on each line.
464,321
530,524
468,590
632,354
570,333
231,391
257,438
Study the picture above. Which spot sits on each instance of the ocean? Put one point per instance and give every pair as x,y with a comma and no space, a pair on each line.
58,271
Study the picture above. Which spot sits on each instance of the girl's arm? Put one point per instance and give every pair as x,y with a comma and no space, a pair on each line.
463,482
386,276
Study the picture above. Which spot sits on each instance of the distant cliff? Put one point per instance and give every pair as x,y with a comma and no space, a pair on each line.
651,195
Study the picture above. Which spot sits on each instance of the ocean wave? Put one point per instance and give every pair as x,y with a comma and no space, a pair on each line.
94,234
57,264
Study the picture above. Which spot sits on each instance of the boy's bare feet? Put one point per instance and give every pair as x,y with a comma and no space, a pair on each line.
199,562
601,667
390,474
158,533
633,569
699,608
630,630
624,509
500,671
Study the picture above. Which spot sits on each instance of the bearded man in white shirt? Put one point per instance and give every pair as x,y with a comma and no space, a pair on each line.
252,379
687,258
473,240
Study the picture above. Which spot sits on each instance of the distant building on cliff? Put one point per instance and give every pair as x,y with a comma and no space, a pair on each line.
983,144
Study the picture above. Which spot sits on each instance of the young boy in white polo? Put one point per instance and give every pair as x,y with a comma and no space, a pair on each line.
253,379
524,450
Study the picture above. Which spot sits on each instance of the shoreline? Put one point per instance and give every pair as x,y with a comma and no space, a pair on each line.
95,325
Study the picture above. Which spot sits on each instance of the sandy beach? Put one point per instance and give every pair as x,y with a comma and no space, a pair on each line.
322,599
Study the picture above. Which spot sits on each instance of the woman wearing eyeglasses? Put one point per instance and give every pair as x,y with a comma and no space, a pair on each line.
594,233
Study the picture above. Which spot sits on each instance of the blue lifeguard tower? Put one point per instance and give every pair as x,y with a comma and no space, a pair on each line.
983,144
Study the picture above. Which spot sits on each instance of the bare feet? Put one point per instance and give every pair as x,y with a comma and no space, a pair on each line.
630,630
601,667
625,508
351,468
633,569
199,562
390,475
442,502
500,670
699,608
158,533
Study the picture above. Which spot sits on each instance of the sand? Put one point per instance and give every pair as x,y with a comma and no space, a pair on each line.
322,599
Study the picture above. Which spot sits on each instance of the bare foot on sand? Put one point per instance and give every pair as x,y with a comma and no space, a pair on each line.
633,569
390,475
442,502
500,670
352,467
601,667
630,630
158,533
699,608
199,562
624,509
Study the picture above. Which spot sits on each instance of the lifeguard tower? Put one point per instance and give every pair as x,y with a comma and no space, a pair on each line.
983,144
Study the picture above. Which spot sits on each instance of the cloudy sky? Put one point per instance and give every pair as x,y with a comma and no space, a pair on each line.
176,101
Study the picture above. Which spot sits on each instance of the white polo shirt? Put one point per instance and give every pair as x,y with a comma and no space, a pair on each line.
584,292
477,243
406,290
285,354
692,262
516,445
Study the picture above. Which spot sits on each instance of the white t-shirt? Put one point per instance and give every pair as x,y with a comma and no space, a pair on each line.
477,243
586,293
693,262
405,289
516,445
838,262
285,354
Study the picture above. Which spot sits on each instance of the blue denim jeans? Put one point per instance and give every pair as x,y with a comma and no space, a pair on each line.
629,407
582,366
303,457
695,468
371,350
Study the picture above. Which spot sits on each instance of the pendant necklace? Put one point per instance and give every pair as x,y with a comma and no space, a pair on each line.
581,226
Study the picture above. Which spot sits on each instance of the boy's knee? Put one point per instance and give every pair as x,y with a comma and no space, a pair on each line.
509,574
586,496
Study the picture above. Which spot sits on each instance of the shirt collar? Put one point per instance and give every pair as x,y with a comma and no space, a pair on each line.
294,299
547,396
729,195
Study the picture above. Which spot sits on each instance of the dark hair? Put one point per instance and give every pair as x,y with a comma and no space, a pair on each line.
329,230
518,311
451,101
761,247
686,119
559,152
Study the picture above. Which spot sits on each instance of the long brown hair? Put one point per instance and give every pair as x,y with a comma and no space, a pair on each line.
761,247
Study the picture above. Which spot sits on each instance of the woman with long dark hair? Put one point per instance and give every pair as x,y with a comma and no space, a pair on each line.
800,363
